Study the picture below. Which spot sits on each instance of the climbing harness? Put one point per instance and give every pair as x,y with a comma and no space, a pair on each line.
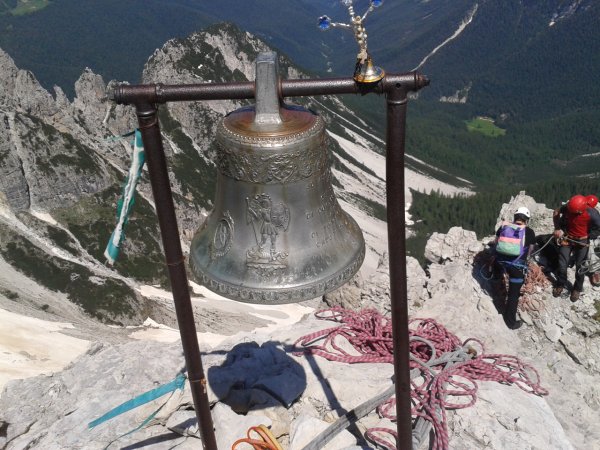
534,281
264,441
444,370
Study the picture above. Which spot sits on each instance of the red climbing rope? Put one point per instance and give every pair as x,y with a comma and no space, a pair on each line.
535,282
368,332
442,383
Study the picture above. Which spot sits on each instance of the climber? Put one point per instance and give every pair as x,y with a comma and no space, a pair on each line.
514,244
574,225
592,201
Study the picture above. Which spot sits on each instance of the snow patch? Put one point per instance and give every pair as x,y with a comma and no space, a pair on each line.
465,22
277,316
30,346
44,217
564,12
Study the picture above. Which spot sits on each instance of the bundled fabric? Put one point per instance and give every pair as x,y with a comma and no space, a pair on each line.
511,240
125,203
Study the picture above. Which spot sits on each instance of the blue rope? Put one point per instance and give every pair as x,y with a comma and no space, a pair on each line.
146,397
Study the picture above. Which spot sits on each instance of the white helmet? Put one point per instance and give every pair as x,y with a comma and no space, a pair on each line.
523,210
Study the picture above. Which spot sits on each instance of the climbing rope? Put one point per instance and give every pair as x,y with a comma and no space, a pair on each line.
533,254
444,370
264,440
592,263
535,282
574,241
369,334
590,266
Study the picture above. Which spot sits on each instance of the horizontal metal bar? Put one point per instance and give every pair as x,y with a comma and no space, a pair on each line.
160,93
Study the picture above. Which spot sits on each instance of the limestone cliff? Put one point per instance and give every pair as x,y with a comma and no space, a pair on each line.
297,395
61,168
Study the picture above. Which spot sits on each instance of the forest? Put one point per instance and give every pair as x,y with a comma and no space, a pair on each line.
437,212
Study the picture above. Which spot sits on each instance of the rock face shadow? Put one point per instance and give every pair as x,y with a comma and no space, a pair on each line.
490,278
254,377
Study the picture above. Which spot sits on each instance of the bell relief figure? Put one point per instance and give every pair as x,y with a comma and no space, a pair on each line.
266,219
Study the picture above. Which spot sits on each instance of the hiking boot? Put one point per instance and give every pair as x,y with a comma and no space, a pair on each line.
575,295
512,322
557,291
515,326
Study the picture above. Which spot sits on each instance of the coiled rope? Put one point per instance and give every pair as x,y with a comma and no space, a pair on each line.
590,266
258,438
535,281
592,263
444,370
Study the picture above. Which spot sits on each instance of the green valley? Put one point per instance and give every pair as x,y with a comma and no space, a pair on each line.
485,126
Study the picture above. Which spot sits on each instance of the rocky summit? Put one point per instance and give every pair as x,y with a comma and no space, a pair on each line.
255,377
109,333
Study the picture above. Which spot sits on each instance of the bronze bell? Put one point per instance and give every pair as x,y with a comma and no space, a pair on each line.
277,233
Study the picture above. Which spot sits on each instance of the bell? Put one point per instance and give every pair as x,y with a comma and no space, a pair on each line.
277,233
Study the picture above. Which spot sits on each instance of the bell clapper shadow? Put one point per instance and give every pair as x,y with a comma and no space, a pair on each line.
274,195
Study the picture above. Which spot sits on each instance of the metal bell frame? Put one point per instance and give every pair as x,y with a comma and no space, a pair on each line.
395,87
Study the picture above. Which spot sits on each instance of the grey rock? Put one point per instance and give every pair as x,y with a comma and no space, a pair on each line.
229,426
456,244
553,332
55,409
507,418
305,428
21,90
373,293
13,184
541,216
184,422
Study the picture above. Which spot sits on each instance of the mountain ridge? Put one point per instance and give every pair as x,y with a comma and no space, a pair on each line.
61,187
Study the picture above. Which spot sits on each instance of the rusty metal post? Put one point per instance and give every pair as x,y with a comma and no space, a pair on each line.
161,190
395,137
